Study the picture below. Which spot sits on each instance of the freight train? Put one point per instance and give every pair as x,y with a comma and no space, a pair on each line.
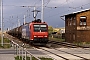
35,32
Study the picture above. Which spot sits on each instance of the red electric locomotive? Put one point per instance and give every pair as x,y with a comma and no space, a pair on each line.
36,32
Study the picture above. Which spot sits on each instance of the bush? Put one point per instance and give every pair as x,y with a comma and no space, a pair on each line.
5,40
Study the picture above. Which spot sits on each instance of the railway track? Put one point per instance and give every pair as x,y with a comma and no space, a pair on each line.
18,41
65,54
50,44
66,51
71,52
63,44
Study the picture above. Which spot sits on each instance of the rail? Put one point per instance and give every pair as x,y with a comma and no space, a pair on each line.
18,51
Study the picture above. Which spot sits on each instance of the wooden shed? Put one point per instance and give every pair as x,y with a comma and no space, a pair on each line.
77,26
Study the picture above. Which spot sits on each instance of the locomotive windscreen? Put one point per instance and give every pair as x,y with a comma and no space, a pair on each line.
40,27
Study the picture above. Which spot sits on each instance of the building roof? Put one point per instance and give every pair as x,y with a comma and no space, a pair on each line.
77,12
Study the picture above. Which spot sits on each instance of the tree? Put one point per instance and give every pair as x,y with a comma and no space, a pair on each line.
50,29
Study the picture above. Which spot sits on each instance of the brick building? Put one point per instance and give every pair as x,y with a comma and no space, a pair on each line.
77,26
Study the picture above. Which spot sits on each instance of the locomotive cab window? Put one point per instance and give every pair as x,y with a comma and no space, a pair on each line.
41,27
83,21
36,28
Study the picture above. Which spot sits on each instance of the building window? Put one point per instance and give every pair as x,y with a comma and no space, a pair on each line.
74,20
71,18
67,22
82,20
73,36
70,23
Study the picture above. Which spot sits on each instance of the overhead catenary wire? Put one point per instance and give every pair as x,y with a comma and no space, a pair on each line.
37,2
72,7
27,11
54,7
59,6
81,7
46,5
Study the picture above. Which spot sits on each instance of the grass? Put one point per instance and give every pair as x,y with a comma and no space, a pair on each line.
6,40
17,58
7,45
81,43
57,39
42,58
28,58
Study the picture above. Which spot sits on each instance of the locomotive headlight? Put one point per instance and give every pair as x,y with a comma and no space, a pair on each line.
35,36
45,36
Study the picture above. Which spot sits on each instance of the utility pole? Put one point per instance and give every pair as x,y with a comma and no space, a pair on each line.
18,22
2,22
42,13
24,19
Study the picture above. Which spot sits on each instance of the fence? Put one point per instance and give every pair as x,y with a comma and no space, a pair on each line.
21,51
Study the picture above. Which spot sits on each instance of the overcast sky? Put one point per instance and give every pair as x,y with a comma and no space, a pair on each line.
53,9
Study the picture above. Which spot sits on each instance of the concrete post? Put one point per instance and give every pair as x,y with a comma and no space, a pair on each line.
25,54
19,52
22,53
